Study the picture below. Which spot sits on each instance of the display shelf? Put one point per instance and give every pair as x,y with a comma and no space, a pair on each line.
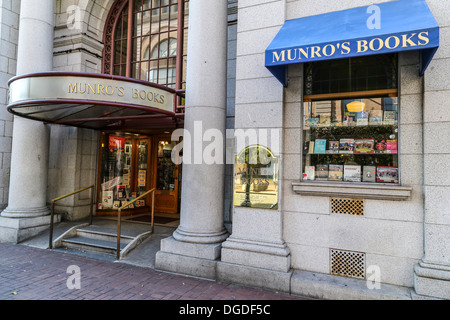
348,146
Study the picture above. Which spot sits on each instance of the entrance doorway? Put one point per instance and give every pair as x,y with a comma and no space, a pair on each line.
167,177
132,164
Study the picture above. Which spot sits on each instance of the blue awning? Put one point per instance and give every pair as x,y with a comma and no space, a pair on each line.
396,26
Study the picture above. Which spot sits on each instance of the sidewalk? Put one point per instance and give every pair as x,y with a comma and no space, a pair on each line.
31,273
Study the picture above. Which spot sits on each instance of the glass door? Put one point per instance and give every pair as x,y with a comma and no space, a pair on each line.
141,173
167,178
123,175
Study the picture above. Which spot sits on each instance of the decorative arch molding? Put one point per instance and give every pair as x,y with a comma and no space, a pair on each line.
98,13
80,25
108,36
123,53
92,14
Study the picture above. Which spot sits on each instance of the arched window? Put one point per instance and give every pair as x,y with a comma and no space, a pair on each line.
146,40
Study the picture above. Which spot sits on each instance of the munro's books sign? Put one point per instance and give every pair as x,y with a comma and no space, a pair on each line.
400,26
92,88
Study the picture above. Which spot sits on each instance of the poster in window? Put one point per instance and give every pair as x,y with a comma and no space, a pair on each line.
380,146
335,172
349,119
325,120
336,119
390,117
126,177
121,192
142,177
140,203
320,146
346,145
312,122
375,117
116,144
322,172
364,146
391,146
333,146
116,204
369,173
309,173
387,174
311,147
362,118
107,199
352,173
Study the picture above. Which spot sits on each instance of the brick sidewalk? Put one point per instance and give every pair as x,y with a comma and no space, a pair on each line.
28,273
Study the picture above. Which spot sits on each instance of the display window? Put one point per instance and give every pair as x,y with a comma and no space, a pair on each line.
124,170
351,136
132,164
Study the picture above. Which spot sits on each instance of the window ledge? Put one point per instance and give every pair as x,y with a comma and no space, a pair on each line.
347,190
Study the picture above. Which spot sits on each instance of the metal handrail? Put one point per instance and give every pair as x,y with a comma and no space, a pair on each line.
152,191
52,212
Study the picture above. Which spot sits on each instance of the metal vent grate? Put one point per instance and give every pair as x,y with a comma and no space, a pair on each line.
347,206
348,263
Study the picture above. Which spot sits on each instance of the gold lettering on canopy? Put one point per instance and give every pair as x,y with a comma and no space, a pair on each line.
90,89
354,47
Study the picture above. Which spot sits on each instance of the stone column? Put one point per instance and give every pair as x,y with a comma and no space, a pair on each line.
432,274
201,230
256,254
26,211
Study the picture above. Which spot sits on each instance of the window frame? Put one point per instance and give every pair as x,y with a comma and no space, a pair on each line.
364,190
116,12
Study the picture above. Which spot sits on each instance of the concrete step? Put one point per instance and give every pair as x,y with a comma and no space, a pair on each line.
94,244
100,238
101,235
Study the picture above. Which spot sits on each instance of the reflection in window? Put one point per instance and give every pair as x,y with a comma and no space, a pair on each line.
166,48
378,72
165,167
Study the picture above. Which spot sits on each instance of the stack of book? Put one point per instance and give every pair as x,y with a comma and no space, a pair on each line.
343,146
351,173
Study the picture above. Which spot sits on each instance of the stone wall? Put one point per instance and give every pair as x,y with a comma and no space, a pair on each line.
391,233
74,151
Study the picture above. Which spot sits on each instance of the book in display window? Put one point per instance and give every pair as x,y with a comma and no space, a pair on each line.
351,140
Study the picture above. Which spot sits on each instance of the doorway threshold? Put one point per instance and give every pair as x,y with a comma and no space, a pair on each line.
167,220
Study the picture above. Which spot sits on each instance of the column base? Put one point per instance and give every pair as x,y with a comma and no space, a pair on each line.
256,264
25,212
16,230
330,287
264,255
432,280
201,238
254,277
193,259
